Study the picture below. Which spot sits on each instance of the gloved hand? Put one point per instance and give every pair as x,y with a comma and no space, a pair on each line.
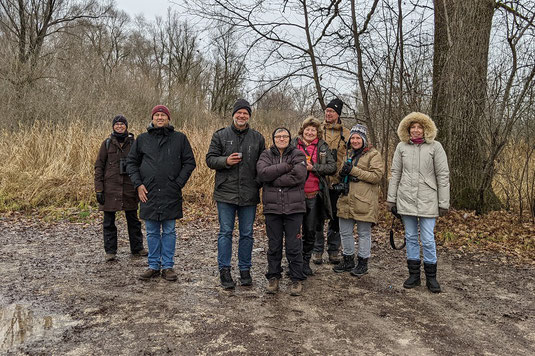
442,211
346,169
390,205
100,198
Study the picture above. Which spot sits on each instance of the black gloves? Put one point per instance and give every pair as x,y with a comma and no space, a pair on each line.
100,198
346,169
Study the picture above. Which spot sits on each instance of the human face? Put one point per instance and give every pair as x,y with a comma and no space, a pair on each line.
310,134
119,127
282,139
416,130
356,141
240,118
160,119
331,116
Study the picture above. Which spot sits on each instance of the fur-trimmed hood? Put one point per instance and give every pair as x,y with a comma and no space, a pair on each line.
430,129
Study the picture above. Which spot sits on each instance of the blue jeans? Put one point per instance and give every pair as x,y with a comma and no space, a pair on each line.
427,237
227,216
161,244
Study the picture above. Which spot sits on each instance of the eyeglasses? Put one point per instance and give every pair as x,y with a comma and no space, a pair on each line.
282,137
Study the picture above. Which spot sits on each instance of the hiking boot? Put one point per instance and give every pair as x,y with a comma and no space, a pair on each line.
273,286
317,258
141,253
334,257
149,273
362,267
245,278
414,274
169,274
431,282
110,257
306,268
348,263
226,278
296,288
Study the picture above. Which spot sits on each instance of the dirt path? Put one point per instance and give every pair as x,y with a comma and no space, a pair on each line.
57,296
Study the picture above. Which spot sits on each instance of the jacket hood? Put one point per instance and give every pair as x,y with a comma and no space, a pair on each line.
430,129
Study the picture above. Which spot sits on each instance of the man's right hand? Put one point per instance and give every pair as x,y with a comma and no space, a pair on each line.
142,193
100,198
233,159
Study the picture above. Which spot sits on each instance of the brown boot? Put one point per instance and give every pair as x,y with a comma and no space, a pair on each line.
149,273
317,258
141,253
296,289
273,286
169,274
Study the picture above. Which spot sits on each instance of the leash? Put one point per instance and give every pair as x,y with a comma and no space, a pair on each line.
392,243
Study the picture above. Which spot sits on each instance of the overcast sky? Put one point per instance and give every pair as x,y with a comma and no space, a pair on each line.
149,8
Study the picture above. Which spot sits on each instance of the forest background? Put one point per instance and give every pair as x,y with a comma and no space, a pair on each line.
69,66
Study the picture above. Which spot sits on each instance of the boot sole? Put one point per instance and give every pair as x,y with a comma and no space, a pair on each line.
358,275
149,278
410,286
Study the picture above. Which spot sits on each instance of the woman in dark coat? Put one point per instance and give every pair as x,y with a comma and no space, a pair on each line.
114,190
282,169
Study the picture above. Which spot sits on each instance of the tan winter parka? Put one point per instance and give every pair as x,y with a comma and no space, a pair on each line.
336,136
420,182
362,201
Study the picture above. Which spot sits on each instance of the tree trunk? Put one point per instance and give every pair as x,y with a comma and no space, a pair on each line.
462,34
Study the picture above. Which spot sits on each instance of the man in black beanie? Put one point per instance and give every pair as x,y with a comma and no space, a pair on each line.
115,191
233,153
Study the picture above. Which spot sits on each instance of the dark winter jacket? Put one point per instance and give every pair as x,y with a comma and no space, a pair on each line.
162,160
236,184
325,165
119,193
284,179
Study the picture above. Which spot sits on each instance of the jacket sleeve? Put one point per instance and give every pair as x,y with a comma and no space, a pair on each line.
298,174
133,162
268,172
373,173
100,167
188,163
396,170
442,174
328,168
214,157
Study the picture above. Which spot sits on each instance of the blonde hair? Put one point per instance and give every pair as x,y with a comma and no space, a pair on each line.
311,121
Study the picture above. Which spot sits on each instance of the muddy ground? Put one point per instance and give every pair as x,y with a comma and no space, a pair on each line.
58,296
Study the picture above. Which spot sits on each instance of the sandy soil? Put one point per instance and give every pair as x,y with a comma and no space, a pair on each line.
58,296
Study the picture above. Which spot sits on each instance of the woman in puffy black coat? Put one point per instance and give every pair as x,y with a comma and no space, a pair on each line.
282,169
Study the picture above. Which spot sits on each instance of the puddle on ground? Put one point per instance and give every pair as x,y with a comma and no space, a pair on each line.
19,324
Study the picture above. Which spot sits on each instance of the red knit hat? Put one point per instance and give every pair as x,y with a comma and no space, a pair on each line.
160,108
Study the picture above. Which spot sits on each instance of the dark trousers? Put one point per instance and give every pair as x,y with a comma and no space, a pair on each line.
312,223
110,231
333,229
287,226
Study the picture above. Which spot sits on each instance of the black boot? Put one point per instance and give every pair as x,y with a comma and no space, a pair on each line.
362,267
245,278
347,264
226,278
414,274
431,277
306,266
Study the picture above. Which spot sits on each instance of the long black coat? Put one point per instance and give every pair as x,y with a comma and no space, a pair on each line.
284,179
119,193
162,160
236,184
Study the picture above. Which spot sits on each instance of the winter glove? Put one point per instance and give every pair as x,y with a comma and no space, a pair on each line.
100,198
442,211
346,169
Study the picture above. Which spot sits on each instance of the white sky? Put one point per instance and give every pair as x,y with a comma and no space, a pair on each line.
149,8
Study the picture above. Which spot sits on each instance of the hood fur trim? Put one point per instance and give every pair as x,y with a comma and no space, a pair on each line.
430,129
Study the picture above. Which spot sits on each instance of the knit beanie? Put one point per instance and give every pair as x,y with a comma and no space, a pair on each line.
280,129
337,105
362,131
160,108
241,104
119,118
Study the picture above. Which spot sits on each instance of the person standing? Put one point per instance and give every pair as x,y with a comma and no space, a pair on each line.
115,191
159,164
336,135
282,169
420,192
358,204
233,153
320,163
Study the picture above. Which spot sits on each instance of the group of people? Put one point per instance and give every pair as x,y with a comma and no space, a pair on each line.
326,172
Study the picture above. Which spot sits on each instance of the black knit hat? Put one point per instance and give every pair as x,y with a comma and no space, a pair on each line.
119,118
337,105
241,104
280,129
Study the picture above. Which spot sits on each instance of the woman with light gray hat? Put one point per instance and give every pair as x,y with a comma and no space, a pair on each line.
358,204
